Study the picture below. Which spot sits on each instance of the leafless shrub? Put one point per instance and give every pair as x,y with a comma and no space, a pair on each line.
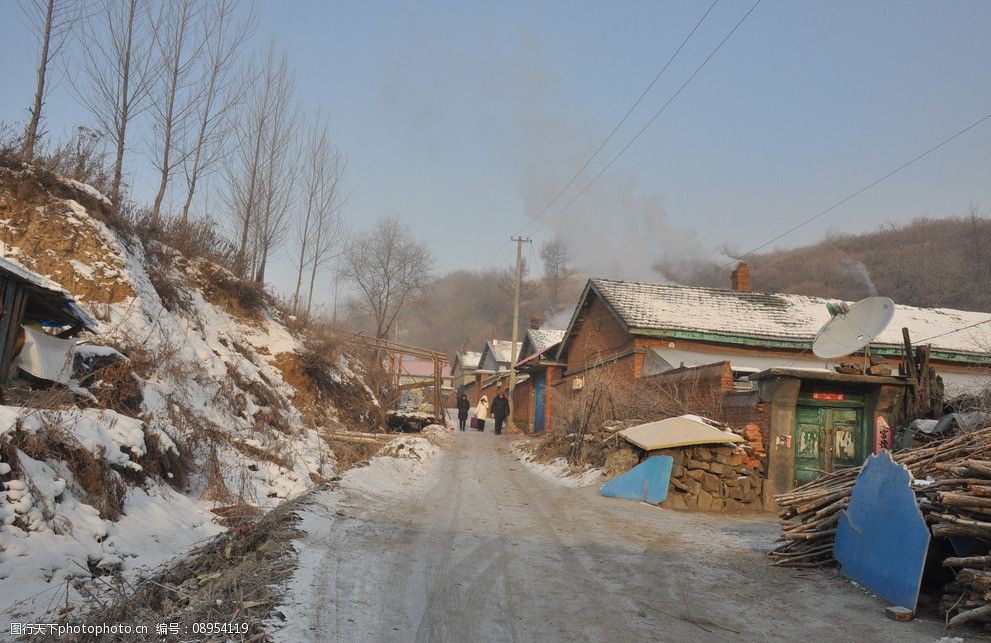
171,466
216,487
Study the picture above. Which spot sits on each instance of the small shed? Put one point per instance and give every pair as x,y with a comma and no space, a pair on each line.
26,296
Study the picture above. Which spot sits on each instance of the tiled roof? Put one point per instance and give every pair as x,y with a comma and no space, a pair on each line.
777,316
469,359
544,338
502,349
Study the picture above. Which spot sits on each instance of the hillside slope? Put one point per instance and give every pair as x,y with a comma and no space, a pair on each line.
940,263
219,406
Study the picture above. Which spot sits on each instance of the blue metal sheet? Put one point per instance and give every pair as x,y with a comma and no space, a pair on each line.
882,539
647,482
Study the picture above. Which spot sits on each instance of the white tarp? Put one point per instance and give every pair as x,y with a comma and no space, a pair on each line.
683,430
46,357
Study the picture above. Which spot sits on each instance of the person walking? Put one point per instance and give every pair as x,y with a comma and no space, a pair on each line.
500,410
482,411
463,407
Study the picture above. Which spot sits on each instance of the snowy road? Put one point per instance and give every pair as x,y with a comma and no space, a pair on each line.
489,550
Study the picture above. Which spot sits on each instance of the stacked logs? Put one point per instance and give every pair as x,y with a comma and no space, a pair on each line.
960,505
810,513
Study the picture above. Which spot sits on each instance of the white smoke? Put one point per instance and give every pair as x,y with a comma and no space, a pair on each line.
617,228
858,268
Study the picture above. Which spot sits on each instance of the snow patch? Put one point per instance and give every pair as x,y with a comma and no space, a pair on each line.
560,472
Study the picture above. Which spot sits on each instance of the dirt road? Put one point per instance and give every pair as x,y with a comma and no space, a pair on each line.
489,550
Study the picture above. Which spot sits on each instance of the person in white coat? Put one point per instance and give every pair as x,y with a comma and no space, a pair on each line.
482,412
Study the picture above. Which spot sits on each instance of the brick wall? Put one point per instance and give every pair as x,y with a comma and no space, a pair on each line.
596,335
523,404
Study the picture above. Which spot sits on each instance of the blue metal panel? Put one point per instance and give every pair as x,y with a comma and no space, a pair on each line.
648,481
539,402
882,539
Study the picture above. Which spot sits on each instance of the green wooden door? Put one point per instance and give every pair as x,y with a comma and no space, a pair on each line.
827,439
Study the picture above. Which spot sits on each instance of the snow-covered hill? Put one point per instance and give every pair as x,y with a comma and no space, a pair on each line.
219,405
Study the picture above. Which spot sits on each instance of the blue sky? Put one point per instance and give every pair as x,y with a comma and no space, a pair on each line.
465,118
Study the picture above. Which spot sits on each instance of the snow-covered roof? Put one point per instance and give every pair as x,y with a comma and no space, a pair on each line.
54,299
502,349
544,338
784,317
468,360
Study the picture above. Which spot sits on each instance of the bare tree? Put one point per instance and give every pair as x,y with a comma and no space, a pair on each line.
219,91
179,46
52,22
554,254
259,174
117,72
390,268
280,175
319,228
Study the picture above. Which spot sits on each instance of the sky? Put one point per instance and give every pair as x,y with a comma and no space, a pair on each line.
466,118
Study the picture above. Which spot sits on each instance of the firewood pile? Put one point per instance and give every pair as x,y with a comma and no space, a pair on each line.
960,505
810,513
953,485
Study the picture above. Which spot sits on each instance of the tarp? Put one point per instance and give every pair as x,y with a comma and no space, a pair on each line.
680,431
46,357
882,538
646,482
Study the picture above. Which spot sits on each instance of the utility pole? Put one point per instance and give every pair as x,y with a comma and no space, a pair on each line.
516,323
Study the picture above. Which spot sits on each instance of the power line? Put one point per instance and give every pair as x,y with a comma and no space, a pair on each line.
861,190
950,332
625,116
636,103
653,118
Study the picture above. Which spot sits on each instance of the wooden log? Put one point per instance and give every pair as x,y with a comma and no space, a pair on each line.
967,561
975,579
811,536
978,613
977,466
354,438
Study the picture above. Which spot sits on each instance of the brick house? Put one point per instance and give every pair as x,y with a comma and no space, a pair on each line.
630,329
463,370
539,371
493,368
753,352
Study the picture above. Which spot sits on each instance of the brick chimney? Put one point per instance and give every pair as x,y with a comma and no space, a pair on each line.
535,322
740,278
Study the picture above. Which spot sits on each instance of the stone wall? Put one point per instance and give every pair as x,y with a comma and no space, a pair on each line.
714,478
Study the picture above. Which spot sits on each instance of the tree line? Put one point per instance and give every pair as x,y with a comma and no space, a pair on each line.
176,79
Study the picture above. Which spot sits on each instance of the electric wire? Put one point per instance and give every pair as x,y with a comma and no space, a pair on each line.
862,190
650,121
612,133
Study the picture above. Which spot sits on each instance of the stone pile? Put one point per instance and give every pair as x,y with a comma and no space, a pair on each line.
714,478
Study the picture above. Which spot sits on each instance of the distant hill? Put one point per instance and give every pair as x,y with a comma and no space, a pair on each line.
942,263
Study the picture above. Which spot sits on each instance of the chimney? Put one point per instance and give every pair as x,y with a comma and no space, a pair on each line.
535,321
740,278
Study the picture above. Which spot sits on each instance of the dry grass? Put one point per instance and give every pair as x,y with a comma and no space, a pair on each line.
166,464
97,482
230,579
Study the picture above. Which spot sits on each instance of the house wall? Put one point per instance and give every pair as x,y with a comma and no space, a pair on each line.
523,405
599,350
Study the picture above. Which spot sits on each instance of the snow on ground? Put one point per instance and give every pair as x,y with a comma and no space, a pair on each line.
559,471
52,555
404,466
213,385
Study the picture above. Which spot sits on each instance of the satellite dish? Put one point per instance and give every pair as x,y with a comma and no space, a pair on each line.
852,328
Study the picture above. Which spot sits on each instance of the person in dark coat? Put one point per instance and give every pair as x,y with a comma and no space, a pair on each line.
500,410
463,407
